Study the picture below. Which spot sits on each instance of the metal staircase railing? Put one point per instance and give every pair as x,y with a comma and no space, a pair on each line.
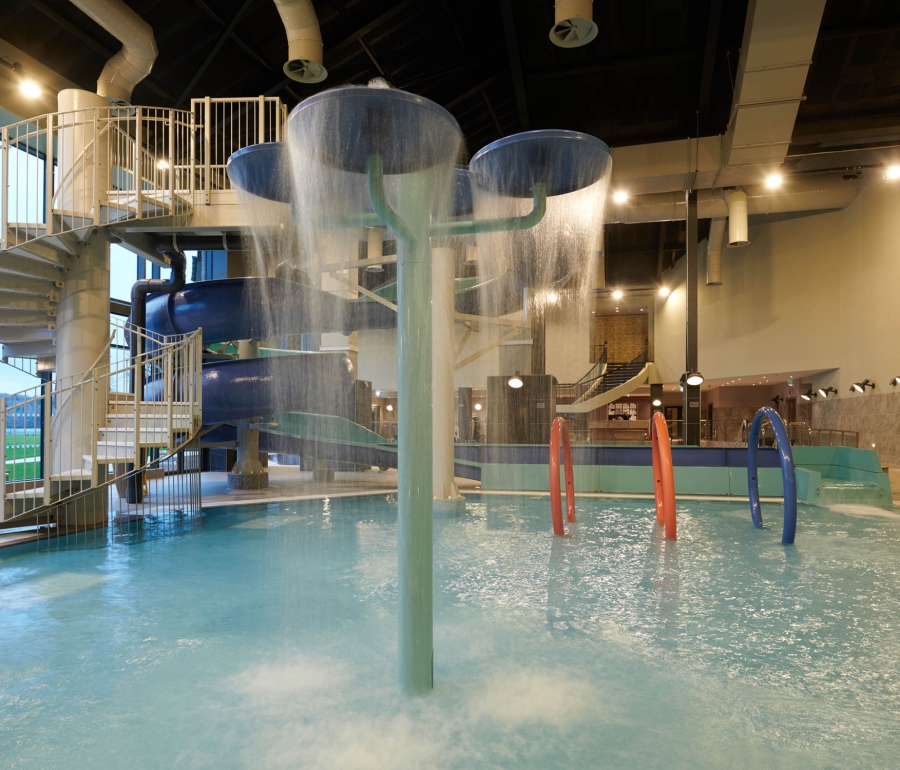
83,432
602,381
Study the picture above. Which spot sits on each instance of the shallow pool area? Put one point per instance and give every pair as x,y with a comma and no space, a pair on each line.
265,637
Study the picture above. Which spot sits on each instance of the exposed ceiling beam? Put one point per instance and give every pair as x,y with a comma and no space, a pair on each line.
247,49
223,38
85,38
845,32
515,63
709,62
615,65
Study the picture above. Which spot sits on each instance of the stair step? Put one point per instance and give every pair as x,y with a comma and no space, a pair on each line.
150,436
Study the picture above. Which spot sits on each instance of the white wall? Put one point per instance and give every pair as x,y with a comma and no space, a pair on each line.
568,341
817,291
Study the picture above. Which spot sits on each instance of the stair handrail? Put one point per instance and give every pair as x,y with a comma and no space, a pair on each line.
176,361
559,439
663,475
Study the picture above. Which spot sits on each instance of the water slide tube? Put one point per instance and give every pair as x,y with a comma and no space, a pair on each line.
559,434
663,475
789,528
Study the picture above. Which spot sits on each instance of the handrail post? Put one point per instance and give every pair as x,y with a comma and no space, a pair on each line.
172,162
96,164
95,429
167,390
206,146
138,162
48,440
3,446
48,176
261,120
4,189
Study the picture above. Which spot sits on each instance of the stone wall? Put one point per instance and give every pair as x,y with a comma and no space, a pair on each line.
875,416
625,335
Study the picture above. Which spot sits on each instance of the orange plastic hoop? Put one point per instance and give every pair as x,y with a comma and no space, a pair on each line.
663,475
559,433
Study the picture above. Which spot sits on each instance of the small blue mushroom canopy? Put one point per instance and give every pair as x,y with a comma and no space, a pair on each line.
565,161
261,169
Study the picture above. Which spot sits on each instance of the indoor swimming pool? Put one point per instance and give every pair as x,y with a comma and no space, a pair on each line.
265,637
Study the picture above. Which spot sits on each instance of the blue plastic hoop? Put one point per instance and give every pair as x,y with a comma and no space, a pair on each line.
787,472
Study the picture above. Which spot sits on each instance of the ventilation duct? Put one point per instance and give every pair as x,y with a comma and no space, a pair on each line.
304,62
135,60
824,192
574,25
714,251
738,229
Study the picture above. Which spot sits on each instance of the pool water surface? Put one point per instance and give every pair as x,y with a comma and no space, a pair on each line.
265,637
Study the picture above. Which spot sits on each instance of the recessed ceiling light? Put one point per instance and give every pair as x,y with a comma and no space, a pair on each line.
30,89
618,294
892,173
774,181
664,291
620,196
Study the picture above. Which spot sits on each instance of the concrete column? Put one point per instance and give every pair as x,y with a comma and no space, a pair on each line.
443,273
82,331
248,472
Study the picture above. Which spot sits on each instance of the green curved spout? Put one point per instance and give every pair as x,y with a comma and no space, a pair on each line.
507,224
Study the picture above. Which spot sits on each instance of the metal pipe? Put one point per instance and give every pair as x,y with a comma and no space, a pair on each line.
714,252
135,60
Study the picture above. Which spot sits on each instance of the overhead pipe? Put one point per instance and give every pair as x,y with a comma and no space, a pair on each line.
738,228
815,193
714,252
305,53
135,60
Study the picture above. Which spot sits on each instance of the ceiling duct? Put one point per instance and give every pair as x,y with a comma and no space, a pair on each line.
135,60
574,25
823,192
714,251
305,55
738,229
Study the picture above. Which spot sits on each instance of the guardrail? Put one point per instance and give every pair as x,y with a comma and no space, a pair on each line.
68,432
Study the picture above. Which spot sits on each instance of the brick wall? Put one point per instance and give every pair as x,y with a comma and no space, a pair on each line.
625,335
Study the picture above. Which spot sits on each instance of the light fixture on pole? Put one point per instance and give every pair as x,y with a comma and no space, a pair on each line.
694,379
515,381
823,392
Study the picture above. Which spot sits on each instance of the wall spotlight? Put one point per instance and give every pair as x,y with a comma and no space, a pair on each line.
620,196
860,387
477,407
618,294
809,395
777,400
694,379
895,382
29,88
390,407
664,291
892,172
774,181
823,392
515,381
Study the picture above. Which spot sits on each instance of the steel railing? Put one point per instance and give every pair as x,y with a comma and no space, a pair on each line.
68,432
112,164
601,378
223,126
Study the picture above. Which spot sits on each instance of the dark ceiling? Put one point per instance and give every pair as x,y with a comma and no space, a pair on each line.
658,70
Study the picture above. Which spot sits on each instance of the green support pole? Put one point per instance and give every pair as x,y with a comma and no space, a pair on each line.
414,461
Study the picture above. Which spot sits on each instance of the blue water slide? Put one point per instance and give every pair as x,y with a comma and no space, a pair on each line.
787,472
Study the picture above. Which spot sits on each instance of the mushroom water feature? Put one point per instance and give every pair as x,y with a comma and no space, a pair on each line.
399,149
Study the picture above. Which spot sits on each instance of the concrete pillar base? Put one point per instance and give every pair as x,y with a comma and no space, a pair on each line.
323,474
452,507
242,481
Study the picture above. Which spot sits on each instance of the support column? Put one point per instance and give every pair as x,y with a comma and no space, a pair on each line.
248,472
82,331
464,413
691,411
656,394
443,273
415,612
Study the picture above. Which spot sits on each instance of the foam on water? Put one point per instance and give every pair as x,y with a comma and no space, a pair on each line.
275,646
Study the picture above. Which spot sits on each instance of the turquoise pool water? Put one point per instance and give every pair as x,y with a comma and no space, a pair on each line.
265,638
